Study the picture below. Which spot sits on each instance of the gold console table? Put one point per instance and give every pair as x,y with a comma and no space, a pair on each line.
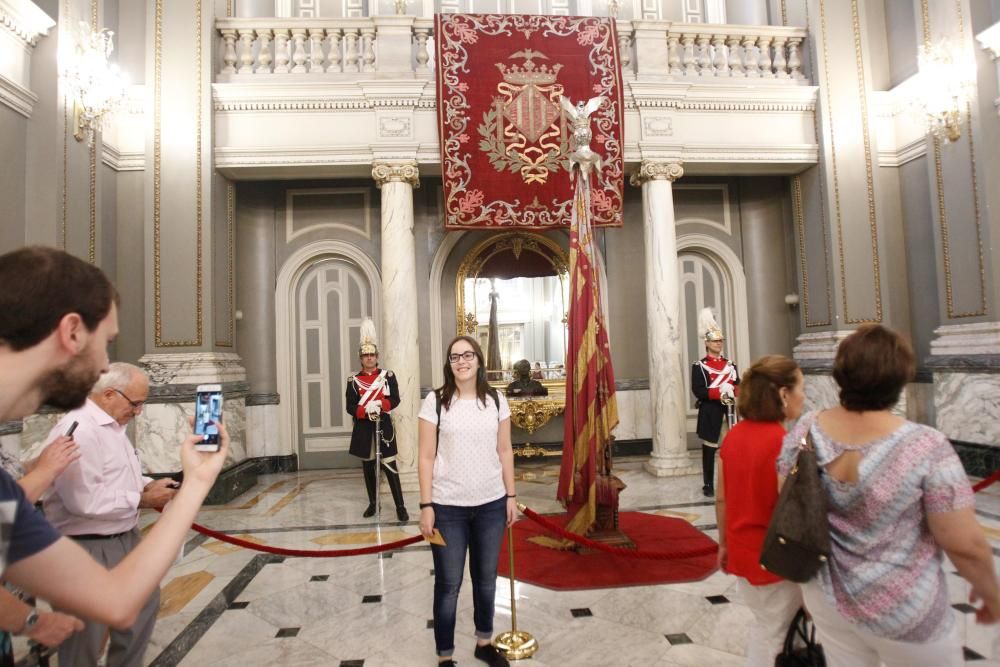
531,414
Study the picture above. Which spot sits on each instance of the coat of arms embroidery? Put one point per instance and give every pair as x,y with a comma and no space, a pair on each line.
523,131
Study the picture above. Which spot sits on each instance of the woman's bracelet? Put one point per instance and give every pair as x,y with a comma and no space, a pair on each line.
426,505
512,495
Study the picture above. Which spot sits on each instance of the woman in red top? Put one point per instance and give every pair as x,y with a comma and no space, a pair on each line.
770,393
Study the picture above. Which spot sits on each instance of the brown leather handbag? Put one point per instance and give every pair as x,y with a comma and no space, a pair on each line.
797,543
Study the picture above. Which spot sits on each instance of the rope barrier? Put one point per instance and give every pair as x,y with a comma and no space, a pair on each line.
617,551
305,553
979,486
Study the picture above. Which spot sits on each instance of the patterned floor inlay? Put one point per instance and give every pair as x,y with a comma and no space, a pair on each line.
221,548
361,538
176,595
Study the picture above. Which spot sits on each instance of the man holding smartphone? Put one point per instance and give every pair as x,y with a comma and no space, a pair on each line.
96,502
371,393
58,314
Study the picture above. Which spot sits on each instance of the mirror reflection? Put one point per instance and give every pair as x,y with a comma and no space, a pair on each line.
513,296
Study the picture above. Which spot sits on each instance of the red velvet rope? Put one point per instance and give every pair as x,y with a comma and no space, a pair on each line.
976,488
617,551
305,553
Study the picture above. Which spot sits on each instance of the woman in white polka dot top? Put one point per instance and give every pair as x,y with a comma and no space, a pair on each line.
466,472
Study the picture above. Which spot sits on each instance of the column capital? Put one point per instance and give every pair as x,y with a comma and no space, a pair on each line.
652,170
403,171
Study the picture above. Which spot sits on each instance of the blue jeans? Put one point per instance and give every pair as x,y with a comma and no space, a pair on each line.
480,530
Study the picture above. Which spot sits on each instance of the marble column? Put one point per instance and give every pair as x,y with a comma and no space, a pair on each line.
398,349
667,384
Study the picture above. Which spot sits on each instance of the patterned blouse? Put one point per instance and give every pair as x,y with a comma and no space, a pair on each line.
885,572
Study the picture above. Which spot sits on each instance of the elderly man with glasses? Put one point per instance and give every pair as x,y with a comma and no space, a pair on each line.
96,502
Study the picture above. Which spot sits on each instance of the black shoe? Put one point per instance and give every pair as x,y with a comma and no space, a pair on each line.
369,512
491,656
402,514
447,663
708,491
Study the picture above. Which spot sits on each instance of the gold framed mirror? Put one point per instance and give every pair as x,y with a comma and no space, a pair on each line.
513,288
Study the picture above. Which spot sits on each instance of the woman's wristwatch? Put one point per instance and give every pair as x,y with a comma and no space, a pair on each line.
426,505
30,621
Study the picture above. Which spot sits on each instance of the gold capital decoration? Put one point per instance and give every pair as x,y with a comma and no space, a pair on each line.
532,414
396,172
657,171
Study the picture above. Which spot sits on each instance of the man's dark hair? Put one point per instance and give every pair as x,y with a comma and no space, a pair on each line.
872,366
39,286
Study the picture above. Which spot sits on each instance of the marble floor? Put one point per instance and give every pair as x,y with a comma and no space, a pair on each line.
228,606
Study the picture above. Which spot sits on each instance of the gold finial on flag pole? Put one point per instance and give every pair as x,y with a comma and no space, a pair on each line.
516,644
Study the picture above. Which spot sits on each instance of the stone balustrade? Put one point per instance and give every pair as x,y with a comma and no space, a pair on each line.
401,46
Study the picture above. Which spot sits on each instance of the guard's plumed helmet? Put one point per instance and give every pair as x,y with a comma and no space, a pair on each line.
708,327
369,344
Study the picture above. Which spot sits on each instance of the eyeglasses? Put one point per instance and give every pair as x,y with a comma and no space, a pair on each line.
468,355
136,405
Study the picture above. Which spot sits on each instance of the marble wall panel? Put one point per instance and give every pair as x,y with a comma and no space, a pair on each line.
967,407
821,393
635,421
161,427
263,433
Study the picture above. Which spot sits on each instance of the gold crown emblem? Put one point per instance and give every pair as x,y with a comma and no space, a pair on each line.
529,74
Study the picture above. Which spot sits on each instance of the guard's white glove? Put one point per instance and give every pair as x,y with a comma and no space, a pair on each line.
373,408
727,389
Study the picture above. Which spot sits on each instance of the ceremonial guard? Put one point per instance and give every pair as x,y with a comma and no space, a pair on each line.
371,394
714,381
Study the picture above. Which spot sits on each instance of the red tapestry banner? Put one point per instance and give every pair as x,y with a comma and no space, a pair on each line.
504,135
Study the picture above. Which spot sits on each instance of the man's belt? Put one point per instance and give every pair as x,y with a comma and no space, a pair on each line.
94,536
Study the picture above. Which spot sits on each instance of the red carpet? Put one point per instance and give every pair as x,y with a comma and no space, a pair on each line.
567,570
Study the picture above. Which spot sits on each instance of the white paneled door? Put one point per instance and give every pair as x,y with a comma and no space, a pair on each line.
332,298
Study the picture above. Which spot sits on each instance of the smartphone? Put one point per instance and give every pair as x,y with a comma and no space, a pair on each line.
207,416
72,427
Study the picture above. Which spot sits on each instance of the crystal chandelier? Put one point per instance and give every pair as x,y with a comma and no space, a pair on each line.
944,91
96,86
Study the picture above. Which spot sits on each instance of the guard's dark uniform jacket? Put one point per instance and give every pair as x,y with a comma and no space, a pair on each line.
711,411
363,434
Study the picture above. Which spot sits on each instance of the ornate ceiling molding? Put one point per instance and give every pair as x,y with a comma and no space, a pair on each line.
25,20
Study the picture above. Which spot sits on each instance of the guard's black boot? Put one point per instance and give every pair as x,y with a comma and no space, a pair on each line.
371,478
392,476
708,470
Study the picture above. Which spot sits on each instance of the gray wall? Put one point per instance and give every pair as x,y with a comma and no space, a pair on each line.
255,278
130,268
768,242
760,235
919,237
900,40
13,146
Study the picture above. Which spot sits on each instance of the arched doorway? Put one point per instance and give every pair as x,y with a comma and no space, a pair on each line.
711,275
323,296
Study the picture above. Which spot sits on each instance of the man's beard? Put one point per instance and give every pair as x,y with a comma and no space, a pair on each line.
67,388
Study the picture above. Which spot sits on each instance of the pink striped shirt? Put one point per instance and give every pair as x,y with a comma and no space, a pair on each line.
99,493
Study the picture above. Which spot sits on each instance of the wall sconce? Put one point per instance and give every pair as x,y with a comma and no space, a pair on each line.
945,89
96,86
792,300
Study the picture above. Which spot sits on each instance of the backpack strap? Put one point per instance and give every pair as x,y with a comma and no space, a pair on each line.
437,433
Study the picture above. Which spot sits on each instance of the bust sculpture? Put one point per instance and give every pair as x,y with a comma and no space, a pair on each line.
523,385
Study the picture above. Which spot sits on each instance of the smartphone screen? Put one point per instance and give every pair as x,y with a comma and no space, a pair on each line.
207,414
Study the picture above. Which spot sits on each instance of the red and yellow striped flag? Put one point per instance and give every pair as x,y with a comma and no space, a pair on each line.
591,407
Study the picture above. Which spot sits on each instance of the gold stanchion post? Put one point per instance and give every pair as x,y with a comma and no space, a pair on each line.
516,644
